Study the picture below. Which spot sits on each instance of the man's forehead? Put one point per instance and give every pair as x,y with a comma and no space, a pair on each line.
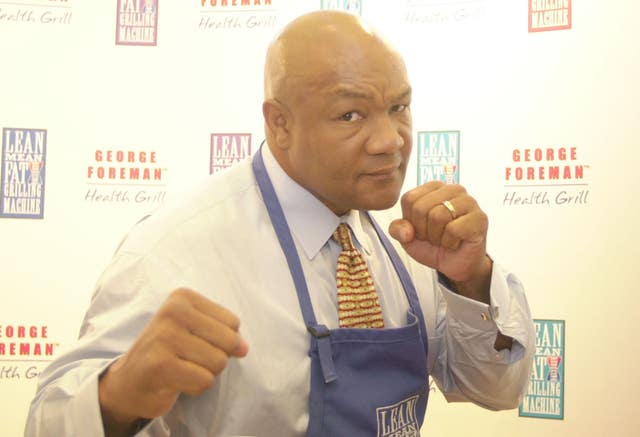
350,78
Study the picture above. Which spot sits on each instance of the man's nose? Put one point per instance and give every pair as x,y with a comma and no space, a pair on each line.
385,135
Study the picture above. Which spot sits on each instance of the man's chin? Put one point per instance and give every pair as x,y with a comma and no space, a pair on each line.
381,202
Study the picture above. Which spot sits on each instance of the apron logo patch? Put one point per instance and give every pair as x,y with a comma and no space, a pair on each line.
399,420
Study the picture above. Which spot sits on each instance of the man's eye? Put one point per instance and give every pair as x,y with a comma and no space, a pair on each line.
399,108
351,116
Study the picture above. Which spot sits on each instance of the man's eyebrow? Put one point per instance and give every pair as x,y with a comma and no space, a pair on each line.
403,95
350,93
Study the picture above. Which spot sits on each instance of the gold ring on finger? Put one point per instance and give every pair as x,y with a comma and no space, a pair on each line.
447,204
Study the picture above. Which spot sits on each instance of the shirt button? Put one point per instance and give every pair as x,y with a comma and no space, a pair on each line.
497,356
484,316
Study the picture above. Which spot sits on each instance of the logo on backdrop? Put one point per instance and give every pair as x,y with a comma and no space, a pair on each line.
137,23
228,149
545,395
399,419
23,173
237,14
545,176
435,12
549,15
439,156
43,12
25,350
353,6
125,176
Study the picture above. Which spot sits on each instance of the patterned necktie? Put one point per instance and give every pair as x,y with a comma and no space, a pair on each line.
358,305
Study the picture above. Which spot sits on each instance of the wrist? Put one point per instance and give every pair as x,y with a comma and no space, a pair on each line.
478,284
116,419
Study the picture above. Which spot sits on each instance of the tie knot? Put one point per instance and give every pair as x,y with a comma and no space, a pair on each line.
342,235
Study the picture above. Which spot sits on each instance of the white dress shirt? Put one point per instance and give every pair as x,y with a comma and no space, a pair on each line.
219,241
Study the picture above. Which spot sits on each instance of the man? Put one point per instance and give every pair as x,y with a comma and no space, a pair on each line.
220,315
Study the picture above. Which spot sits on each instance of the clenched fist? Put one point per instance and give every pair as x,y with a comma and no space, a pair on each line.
443,227
181,350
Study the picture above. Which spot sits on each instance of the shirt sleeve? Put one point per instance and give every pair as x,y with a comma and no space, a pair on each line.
66,401
466,366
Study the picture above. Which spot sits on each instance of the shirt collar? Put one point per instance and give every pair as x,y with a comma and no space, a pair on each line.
357,221
309,220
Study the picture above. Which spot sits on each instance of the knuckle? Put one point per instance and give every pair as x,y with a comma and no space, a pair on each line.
459,188
204,383
236,340
175,309
438,216
473,204
168,315
234,322
225,316
200,384
454,245
484,218
235,344
166,311
417,210
447,242
407,199
166,334
160,364
219,362
180,293
451,241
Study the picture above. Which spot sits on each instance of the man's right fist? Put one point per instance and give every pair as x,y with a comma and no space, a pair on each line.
181,350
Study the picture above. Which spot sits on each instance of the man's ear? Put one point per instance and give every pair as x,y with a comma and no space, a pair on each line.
276,118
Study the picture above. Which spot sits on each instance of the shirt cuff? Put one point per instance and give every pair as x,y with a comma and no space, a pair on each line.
85,410
474,316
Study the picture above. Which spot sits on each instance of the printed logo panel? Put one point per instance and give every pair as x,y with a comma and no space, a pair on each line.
125,176
425,13
545,176
25,350
399,419
439,156
228,149
216,15
137,23
547,15
545,395
37,12
352,6
23,173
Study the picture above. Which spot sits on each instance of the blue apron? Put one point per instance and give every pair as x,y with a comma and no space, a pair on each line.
364,382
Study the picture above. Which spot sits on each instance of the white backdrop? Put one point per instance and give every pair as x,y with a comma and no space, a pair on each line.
477,70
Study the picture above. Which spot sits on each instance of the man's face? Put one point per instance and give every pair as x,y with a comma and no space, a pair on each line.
350,130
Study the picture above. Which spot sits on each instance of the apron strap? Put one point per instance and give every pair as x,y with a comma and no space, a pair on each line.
280,225
321,334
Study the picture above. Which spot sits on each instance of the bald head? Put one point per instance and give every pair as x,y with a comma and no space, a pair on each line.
315,48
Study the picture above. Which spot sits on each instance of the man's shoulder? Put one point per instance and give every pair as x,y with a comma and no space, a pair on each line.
214,205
